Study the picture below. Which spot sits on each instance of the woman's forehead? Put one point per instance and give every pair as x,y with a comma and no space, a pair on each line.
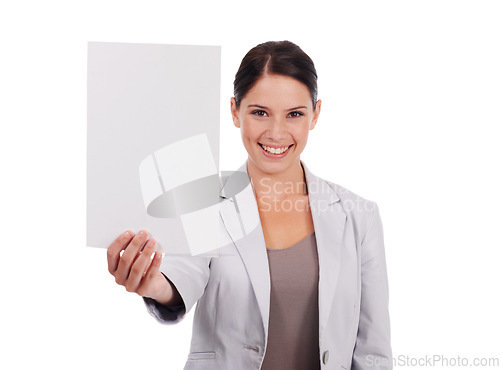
278,91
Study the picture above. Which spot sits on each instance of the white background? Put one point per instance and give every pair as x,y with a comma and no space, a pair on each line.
410,117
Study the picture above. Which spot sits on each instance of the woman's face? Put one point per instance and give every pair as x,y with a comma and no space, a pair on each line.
276,114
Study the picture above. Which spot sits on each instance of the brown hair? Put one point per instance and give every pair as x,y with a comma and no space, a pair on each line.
275,57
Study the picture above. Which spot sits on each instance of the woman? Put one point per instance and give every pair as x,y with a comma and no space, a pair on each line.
305,289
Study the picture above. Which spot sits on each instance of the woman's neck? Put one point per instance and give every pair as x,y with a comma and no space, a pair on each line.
288,183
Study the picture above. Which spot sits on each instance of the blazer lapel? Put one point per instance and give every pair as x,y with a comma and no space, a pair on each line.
240,216
329,220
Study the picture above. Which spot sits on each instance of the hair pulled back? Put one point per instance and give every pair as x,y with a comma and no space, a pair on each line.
275,57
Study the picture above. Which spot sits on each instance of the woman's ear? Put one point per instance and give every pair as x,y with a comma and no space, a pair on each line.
316,112
234,113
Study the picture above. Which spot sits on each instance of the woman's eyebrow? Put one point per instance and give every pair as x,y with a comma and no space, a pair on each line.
263,107
302,106
257,106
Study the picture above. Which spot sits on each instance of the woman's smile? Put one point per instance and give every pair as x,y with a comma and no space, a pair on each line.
274,151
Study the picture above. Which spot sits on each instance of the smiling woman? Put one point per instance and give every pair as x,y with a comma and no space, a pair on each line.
276,133
307,288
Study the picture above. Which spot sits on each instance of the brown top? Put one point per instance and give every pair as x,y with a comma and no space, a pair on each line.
293,340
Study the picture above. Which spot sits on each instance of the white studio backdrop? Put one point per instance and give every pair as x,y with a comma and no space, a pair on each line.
414,84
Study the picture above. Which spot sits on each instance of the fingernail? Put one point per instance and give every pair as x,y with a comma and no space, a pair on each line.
142,234
151,242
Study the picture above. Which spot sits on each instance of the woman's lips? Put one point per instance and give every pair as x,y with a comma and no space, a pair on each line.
274,156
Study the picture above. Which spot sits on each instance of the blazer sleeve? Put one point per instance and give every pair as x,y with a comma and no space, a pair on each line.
373,343
190,276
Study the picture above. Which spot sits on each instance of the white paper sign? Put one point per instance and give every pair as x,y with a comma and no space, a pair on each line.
153,144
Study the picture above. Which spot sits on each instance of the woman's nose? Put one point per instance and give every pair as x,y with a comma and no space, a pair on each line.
277,130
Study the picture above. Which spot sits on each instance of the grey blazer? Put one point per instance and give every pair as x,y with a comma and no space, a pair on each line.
232,291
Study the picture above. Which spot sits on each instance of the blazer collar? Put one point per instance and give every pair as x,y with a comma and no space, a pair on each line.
240,216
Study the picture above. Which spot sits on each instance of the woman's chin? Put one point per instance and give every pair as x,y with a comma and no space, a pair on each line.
272,167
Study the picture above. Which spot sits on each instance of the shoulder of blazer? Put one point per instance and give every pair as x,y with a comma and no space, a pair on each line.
358,209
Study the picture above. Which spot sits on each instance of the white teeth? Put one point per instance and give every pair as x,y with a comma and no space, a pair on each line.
274,151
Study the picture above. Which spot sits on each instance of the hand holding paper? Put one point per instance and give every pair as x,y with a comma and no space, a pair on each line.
135,269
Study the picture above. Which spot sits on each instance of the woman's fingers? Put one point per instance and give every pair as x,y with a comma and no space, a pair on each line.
128,257
151,272
115,248
134,268
154,267
140,266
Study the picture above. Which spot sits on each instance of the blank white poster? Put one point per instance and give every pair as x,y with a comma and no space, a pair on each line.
153,144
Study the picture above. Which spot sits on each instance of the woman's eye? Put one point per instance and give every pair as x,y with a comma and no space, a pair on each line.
259,112
296,114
